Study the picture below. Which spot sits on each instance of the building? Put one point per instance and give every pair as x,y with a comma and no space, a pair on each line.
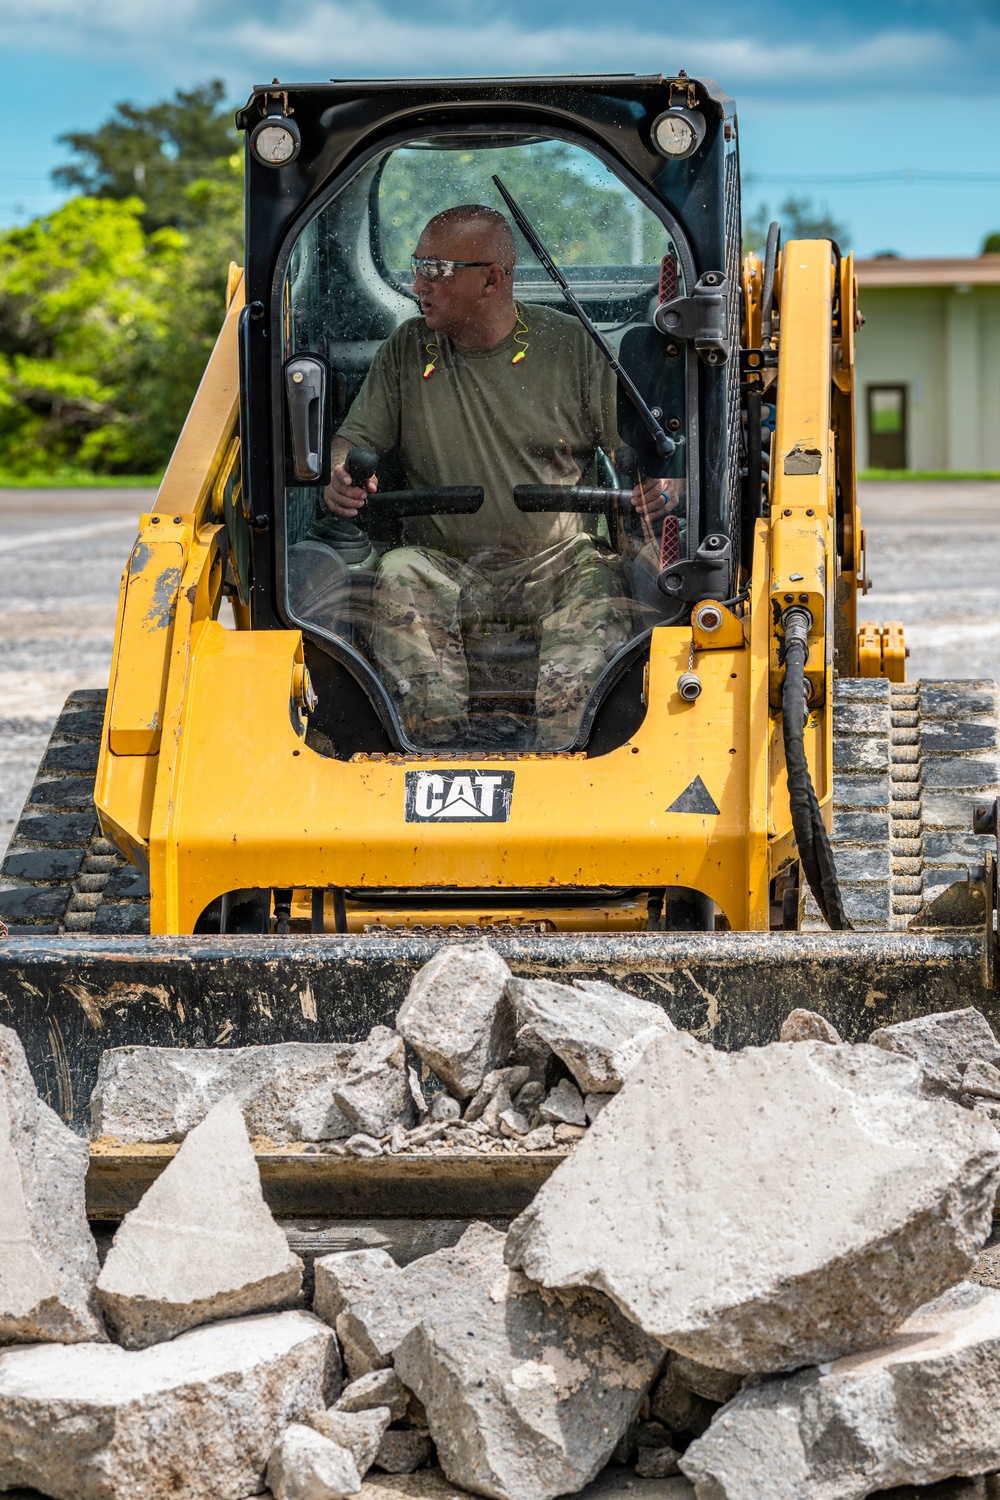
928,364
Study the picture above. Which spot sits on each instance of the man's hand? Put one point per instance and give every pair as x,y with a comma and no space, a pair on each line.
342,496
653,498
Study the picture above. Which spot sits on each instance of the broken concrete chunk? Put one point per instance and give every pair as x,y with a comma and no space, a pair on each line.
374,1093
716,1149
159,1094
201,1244
48,1259
349,1276
445,1108
564,1105
316,1118
676,1406
943,1044
542,1138
568,1135
528,1098
456,1018
305,1465
657,1463
360,1432
378,1316
513,1125
981,1079
599,1032
594,1103
196,1417
526,1395
363,1145
377,1388
920,1408
511,1080
807,1026
403,1450
714,1385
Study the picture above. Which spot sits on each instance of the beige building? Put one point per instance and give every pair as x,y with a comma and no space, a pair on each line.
928,364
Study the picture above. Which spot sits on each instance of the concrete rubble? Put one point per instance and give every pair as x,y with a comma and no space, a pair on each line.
526,1395
201,1244
943,1045
720,1149
306,1465
195,1418
598,1031
48,1259
922,1407
714,1221
151,1094
379,1388
806,1026
360,1432
404,1449
456,1016
374,1093
493,1079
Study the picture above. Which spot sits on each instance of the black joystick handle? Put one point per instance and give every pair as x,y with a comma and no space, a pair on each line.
360,464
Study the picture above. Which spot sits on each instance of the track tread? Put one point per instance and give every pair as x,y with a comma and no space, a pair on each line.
901,836
59,874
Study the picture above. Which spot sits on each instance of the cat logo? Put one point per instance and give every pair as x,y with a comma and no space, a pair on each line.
466,796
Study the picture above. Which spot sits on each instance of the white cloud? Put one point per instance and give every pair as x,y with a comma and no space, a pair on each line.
184,39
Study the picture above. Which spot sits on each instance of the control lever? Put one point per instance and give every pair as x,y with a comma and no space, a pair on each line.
342,535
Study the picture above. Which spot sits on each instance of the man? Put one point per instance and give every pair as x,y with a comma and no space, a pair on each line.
484,390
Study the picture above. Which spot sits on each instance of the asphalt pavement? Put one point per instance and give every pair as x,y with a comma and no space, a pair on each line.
933,555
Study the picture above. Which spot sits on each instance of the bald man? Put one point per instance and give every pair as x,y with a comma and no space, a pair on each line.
483,389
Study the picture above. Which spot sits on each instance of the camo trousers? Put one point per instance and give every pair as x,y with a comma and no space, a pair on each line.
428,604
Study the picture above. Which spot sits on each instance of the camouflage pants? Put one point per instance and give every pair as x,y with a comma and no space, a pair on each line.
427,604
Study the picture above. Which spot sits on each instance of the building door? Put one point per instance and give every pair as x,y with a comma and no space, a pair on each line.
887,426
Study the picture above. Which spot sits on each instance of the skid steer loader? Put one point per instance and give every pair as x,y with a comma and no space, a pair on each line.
744,807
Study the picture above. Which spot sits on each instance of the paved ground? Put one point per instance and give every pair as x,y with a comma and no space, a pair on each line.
933,549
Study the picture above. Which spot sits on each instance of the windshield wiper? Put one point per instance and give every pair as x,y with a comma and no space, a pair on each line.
664,445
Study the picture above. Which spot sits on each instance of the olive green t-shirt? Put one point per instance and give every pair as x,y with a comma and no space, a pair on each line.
481,419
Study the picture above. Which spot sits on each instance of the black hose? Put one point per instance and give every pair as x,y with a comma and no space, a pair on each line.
812,839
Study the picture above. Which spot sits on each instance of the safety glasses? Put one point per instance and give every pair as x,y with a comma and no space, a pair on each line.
433,269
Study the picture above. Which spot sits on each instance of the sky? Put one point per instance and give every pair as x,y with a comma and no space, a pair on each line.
885,112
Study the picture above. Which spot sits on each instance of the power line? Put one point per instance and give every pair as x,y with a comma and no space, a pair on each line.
904,176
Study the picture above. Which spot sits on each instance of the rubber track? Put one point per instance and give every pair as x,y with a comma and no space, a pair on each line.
910,762
60,875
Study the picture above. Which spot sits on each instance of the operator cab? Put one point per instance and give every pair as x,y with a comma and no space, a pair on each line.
501,598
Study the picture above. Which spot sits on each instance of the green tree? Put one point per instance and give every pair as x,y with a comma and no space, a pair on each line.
156,153
991,244
800,219
582,213
84,294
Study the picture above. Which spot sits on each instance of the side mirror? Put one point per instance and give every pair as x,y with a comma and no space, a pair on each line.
307,385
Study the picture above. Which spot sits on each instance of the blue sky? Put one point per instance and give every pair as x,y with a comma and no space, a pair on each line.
886,112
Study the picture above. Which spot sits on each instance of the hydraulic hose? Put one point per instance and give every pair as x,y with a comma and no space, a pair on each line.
811,836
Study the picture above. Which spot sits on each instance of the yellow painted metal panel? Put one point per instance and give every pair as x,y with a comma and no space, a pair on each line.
262,809
140,682
211,424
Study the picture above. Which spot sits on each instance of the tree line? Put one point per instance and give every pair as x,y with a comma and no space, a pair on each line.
110,305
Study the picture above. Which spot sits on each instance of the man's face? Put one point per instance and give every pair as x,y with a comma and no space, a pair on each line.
461,304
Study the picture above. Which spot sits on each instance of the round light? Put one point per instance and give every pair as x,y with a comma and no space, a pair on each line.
275,142
678,132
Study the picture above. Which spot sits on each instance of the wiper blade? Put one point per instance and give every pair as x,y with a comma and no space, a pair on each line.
664,445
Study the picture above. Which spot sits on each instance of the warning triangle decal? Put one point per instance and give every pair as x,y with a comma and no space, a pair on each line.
695,798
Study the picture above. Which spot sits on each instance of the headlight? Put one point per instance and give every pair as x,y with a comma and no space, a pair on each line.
678,132
275,141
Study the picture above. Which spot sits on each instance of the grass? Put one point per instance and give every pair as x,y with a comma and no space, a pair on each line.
903,476
69,479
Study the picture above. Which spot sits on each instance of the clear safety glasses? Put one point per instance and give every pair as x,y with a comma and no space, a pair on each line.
434,269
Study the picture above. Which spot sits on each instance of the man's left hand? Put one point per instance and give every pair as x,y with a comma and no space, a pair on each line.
654,498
